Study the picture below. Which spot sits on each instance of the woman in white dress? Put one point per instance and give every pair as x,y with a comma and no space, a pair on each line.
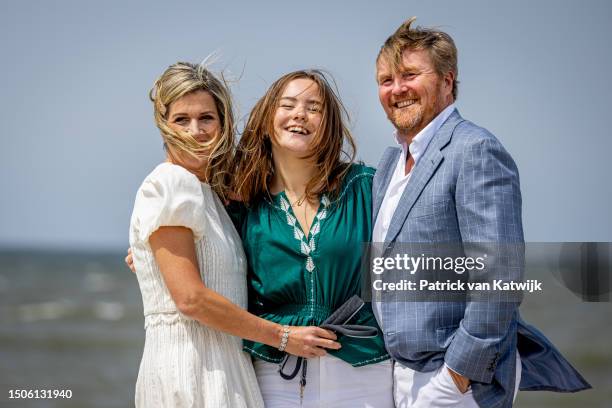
190,263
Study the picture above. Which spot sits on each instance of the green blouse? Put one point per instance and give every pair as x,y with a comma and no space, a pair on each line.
300,280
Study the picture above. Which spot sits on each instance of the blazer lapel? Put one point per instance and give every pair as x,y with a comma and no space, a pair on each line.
384,172
421,173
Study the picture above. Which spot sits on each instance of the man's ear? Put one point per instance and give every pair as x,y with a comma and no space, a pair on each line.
449,79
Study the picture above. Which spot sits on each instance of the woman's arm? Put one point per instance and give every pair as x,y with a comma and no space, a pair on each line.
175,254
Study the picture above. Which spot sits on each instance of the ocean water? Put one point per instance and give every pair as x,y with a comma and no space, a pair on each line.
69,322
73,321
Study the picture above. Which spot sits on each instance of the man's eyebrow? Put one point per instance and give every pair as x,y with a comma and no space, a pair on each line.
383,75
400,69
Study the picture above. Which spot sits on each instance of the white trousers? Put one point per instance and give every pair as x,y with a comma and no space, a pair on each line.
330,382
434,389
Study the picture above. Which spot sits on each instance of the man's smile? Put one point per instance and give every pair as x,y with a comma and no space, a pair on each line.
404,104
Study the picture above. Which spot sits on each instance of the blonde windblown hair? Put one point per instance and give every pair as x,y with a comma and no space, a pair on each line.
177,81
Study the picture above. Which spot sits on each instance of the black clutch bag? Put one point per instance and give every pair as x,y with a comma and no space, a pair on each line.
336,322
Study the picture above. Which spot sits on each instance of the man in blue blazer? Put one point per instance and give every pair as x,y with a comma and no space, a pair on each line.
451,181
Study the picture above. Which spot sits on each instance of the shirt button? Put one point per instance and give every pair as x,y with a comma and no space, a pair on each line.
390,333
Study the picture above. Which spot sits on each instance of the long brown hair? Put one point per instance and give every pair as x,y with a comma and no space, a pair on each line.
177,81
332,143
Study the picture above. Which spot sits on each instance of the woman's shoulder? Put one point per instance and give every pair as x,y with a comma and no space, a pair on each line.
167,172
169,196
358,173
168,186
168,179
360,169
357,180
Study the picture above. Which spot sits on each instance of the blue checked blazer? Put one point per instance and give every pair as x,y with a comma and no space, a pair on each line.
465,188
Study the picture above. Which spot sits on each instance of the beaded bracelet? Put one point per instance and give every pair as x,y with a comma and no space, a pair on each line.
284,339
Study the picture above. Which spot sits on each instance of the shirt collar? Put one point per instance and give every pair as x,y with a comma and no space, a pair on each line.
421,140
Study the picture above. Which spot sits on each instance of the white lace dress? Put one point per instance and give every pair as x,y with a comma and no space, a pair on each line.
186,364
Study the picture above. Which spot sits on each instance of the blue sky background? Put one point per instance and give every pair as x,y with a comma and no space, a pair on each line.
78,135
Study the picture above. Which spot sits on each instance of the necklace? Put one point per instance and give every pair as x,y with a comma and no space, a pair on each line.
299,201
299,204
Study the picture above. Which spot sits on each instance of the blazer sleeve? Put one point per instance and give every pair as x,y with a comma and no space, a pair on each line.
488,204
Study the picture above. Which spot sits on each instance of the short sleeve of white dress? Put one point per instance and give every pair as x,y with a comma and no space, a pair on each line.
170,196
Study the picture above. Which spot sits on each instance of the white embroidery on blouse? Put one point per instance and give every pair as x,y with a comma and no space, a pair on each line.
307,247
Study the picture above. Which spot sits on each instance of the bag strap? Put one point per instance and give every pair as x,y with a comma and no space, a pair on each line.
296,369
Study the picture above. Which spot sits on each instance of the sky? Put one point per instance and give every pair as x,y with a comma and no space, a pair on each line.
78,135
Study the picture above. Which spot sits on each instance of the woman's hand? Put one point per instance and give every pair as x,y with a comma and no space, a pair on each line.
310,341
129,260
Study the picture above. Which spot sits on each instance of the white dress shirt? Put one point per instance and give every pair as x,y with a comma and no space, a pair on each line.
400,180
